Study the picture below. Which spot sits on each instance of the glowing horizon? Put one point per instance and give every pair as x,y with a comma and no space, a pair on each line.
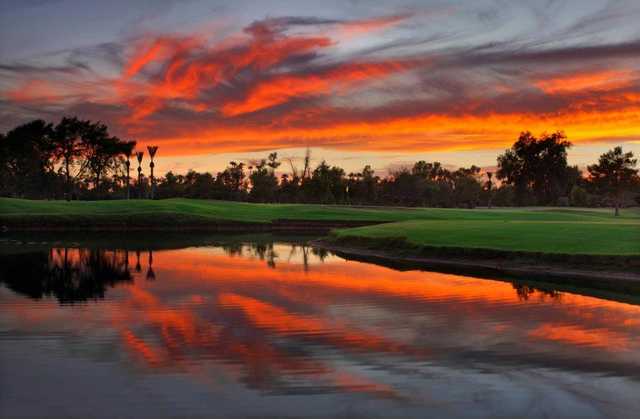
405,83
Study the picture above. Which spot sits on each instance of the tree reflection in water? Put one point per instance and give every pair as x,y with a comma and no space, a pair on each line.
70,275
236,320
265,251
77,275
524,291
151,275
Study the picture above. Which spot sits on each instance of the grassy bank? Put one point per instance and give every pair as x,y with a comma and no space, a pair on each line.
559,231
588,237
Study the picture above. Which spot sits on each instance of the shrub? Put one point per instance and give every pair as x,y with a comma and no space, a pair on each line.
579,197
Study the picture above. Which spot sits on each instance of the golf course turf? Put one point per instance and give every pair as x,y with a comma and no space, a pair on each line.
559,231
566,237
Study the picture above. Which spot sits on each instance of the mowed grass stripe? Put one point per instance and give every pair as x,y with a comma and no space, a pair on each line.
548,230
239,211
595,238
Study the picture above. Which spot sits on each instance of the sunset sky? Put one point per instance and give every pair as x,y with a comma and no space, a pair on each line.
377,82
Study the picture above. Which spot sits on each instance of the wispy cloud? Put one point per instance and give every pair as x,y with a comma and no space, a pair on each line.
287,81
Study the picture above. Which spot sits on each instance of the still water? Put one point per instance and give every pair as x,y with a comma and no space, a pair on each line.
275,328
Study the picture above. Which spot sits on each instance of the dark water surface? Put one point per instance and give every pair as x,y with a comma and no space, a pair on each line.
234,328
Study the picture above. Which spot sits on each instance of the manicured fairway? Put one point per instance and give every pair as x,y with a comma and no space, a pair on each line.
577,231
239,211
567,237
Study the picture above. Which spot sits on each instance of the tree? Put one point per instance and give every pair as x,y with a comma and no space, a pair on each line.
232,181
536,166
504,196
326,185
488,188
263,180
200,185
272,162
4,159
68,147
103,153
405,188
430,171
466,186
613,174
578,197
362,187
27,163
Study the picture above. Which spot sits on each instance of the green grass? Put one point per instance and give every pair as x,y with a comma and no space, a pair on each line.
239,211
566,237
575,231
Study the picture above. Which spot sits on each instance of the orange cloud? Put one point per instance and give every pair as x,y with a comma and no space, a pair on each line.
190,67
595,80
281,89
426,132
243,92
35,91
359,27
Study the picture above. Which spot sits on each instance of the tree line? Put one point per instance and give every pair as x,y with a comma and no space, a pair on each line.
72,159
80,159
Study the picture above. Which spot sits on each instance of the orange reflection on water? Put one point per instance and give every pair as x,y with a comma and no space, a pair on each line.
275,317
331,331
581,336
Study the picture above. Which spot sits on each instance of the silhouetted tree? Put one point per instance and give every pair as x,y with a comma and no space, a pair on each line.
68,148
405,188
128,152
27,160
488,188
153,149
101,152
326,185
363,187
80,158
232,181
264,183
536,167
504,196
578,197
466,187
614,173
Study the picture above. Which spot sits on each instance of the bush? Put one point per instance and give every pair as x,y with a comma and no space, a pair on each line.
579,197
504,196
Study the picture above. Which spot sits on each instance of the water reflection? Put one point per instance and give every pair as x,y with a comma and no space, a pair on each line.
259,321
70,275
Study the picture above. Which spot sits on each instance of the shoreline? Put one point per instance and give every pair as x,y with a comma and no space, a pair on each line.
514,265
178,224
617,273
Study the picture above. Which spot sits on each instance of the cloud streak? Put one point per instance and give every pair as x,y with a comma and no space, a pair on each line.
370,83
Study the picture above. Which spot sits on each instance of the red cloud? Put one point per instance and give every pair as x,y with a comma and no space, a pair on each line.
282,88
34,91
246,91
188,67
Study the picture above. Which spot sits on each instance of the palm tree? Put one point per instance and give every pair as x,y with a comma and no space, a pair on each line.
489,188
152,152
128,150
139,156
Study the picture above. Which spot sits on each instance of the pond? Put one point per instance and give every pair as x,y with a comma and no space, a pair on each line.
272,327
